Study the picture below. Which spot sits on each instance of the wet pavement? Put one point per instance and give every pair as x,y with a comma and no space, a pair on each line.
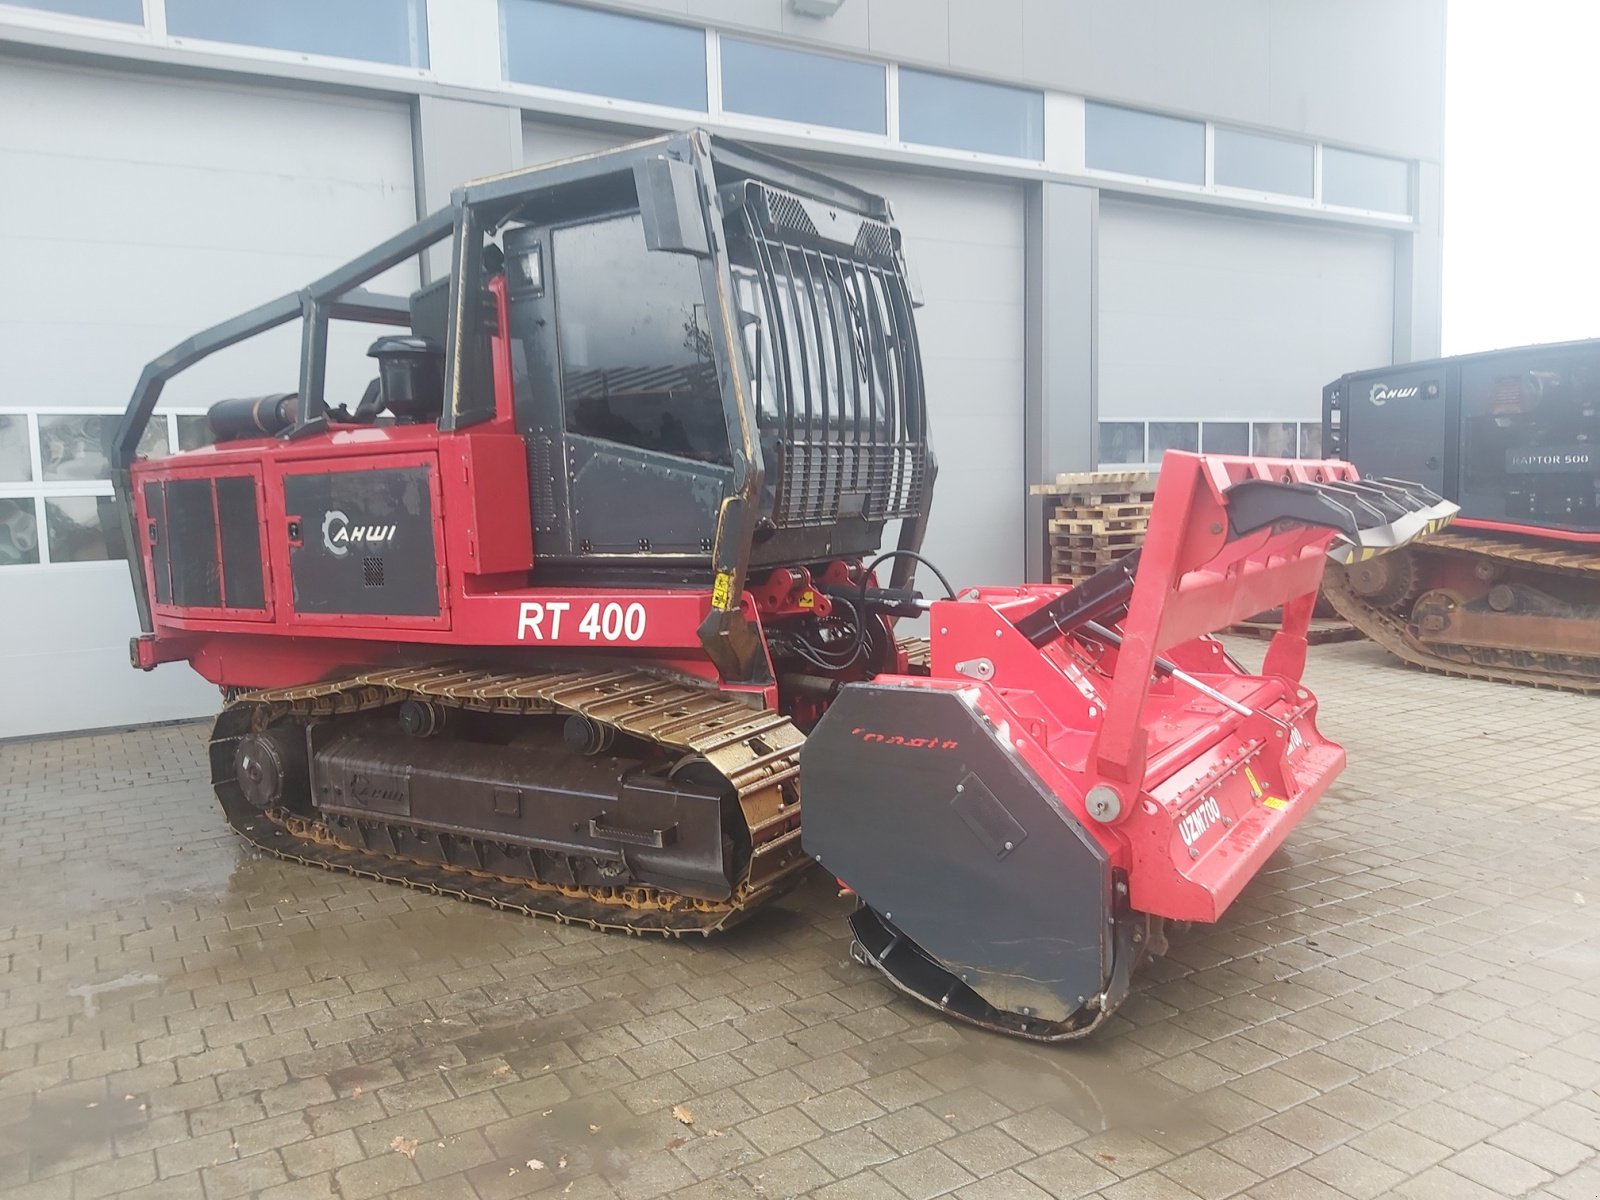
1407,1003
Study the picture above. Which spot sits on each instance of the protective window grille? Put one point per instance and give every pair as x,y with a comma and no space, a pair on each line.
839,372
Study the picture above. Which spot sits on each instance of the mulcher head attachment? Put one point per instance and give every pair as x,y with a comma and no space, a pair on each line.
1083,763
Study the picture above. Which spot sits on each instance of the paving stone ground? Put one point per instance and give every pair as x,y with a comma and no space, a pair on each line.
1406,1003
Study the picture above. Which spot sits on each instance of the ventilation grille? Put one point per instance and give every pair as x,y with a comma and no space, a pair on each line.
372,572
783,218
542,480
787,215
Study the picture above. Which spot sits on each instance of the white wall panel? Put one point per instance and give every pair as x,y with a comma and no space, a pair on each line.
1203,315
135,211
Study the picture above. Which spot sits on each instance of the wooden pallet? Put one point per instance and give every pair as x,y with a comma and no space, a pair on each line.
1096,518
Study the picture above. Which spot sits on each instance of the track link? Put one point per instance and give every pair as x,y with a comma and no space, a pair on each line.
755,750
1390,630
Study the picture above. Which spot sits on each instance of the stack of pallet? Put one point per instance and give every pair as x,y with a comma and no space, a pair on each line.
1094,518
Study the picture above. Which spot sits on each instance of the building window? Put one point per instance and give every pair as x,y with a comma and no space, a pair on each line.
195,431
1311,439
129,12
1263,164
963,114
16,459
1225,437
1121,443
19,531
72,445
1173,435
1273,439
796,85
83,528
603,53
1133,443
1131,142
56,504
1351,180
382,31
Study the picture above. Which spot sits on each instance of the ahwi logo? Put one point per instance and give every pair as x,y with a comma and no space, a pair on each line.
1381,394
338,535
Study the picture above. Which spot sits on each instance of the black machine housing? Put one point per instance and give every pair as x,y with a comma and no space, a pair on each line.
1512,436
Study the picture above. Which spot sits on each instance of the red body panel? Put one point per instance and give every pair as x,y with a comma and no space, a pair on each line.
1206,793
1542,532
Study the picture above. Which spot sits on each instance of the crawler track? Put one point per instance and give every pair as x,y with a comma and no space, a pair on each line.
1390,628
756,751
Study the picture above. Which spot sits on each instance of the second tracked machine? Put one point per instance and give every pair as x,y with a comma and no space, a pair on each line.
569,608
1512,591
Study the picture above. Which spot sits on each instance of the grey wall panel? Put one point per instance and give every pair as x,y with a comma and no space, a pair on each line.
1204,59
1369,72
454,141
1061,318
987,37
544,142
965,244
848,29
911,30
1203,315
458,140
1365,72
765,15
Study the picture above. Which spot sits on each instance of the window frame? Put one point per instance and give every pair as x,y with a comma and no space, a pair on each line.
1298,424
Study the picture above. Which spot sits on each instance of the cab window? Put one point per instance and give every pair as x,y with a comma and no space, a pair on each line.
635,339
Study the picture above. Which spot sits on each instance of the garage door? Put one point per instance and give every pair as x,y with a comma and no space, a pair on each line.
137,211
1233,320
964,242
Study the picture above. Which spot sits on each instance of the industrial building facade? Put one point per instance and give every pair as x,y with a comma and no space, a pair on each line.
1135,226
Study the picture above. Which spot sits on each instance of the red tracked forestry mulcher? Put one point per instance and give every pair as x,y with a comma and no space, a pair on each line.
563,611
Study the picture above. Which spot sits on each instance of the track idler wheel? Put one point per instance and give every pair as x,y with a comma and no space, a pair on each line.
422,718
1434,614
271,768
1385,580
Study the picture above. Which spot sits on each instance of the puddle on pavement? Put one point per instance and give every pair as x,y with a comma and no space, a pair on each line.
58,1128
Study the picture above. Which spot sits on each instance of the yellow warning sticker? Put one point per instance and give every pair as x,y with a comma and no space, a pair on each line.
1276,802
808,599
720,589
1255,784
